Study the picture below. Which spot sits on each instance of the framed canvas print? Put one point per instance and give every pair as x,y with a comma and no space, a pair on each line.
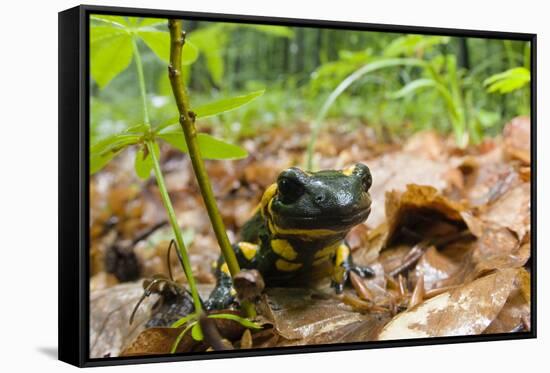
233,186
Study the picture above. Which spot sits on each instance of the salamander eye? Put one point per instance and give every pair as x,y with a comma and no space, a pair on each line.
289,189
363,171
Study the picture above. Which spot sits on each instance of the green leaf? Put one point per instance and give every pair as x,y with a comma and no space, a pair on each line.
241,320
487,119
425,83
343,86
508,81
211,147
133,21
412,87
98,33
182,321
143,163
98,161
210,41
138,128
104,150
196,332
225,104
152,22
159,42
358,74
180,336
215,66
110,53
113,142
281,31
413,45
111,20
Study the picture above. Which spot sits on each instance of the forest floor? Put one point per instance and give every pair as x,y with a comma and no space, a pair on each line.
448,238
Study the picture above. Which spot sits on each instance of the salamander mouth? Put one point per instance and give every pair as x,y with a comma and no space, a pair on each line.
335,222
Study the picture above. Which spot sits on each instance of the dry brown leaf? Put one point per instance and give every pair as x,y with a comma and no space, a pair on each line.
155,341
358,331
434,267
102,280
511,317
516,313
515,258
297,314
375,242
517,139
425,209
246,339
489,177
395,171
467,310
110,311
512,210
427,144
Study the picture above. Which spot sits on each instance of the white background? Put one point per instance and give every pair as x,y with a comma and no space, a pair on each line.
28,184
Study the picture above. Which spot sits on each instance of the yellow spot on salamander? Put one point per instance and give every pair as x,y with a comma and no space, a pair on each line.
342,254
283,265
284,249
248,249
348,171
327,251
232,291
225,269
268,196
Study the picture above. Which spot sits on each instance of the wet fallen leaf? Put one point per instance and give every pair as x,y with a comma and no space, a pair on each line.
158,341
110,311
305,314
434,268
430,189
467,310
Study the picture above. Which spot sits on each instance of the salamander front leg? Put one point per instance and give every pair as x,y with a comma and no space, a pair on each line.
224,294
343,264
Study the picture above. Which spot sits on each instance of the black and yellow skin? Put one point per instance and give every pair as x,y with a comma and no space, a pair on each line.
297,234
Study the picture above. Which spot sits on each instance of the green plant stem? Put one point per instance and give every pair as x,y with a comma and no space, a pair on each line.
175,227
141,80
184,257
187,122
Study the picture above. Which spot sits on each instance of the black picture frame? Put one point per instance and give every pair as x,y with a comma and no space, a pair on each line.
73,248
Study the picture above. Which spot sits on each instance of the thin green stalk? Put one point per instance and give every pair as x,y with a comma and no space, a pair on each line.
187,122
175,227
184,257
141,80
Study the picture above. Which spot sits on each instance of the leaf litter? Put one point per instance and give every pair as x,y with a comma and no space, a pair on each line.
448,238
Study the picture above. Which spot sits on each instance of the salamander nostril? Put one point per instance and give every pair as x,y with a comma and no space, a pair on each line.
319,198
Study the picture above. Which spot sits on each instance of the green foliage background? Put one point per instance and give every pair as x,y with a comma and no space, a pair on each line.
478,84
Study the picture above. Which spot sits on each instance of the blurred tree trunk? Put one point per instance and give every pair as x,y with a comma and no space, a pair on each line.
463,53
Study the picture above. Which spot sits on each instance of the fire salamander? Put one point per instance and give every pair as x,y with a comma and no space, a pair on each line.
297,233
